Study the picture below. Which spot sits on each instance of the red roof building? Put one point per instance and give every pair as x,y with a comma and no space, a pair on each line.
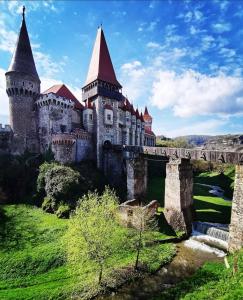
62,91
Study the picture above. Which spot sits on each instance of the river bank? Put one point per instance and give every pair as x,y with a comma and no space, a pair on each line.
184,264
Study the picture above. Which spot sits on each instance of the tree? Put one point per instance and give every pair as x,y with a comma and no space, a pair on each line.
61,183
145,224
94,234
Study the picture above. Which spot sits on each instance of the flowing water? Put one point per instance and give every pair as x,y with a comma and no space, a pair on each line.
212,234
190,256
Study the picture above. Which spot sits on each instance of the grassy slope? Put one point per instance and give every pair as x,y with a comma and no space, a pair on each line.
32,257
212,281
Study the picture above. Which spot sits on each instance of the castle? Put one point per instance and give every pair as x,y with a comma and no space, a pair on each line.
56,119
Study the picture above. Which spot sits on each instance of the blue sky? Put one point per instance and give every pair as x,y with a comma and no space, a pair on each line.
183,59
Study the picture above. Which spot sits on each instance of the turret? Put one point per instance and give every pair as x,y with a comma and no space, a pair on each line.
23,88
104,91
147,119
88,116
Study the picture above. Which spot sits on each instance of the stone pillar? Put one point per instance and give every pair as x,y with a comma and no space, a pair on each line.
178,209
236,224
137,170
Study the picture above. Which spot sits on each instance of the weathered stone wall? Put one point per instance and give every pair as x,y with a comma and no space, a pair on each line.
137,170
55,116
84,149
22,91
179,194
129,212
5,139
113,166
236,225
64,147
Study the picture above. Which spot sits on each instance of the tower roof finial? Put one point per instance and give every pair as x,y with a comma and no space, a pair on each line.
23,13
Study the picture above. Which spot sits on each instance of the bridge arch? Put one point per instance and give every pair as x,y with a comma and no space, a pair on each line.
178,189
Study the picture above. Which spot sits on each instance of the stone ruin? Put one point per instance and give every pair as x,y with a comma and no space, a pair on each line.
128,211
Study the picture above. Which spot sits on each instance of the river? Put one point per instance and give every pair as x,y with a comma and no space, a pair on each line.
187,260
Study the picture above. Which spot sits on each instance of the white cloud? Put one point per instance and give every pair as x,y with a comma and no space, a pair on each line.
221,27
192,93
135,78
209,127
45,65
153,45
227,52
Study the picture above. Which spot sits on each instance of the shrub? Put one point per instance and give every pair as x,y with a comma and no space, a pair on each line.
61,183
42,173
49,205
63,211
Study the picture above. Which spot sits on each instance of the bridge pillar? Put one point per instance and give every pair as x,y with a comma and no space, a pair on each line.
236,225
136,178
179,195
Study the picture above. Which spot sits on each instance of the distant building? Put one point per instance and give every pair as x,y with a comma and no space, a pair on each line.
56,119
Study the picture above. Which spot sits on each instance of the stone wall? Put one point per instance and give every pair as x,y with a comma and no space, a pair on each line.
22,91
137,170
5,139
64,147
179,195
114,168
236,225
54,116
129,212
84,146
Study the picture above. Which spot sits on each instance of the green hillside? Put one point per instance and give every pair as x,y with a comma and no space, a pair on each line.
33,262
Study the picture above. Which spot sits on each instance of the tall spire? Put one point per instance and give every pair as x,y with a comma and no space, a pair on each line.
101,65
22,60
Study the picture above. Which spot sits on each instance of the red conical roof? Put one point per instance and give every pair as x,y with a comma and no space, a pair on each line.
146,115
101,65
62,91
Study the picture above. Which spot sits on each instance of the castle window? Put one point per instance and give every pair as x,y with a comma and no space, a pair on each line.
91,117
23,83
63,128
109,117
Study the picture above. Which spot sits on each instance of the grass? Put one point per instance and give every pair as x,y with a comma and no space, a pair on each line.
33,262
212,282
208,208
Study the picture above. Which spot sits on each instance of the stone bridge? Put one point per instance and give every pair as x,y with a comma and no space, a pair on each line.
178,203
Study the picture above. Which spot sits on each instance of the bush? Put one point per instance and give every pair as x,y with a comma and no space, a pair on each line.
61,183
49,205
42,173
63,211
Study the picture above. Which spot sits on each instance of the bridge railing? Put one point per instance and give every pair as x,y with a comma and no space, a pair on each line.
192,153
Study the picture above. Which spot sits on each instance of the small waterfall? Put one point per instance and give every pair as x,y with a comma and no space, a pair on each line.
216,230
218,233
203,246
211,234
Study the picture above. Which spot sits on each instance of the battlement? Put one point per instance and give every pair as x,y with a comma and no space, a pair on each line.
53,99
82,134
63,139
5,128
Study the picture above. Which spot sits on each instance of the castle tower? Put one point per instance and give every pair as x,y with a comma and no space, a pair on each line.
23,88
147,119
104,92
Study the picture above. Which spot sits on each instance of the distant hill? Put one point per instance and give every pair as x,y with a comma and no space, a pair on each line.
196,140
208,141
